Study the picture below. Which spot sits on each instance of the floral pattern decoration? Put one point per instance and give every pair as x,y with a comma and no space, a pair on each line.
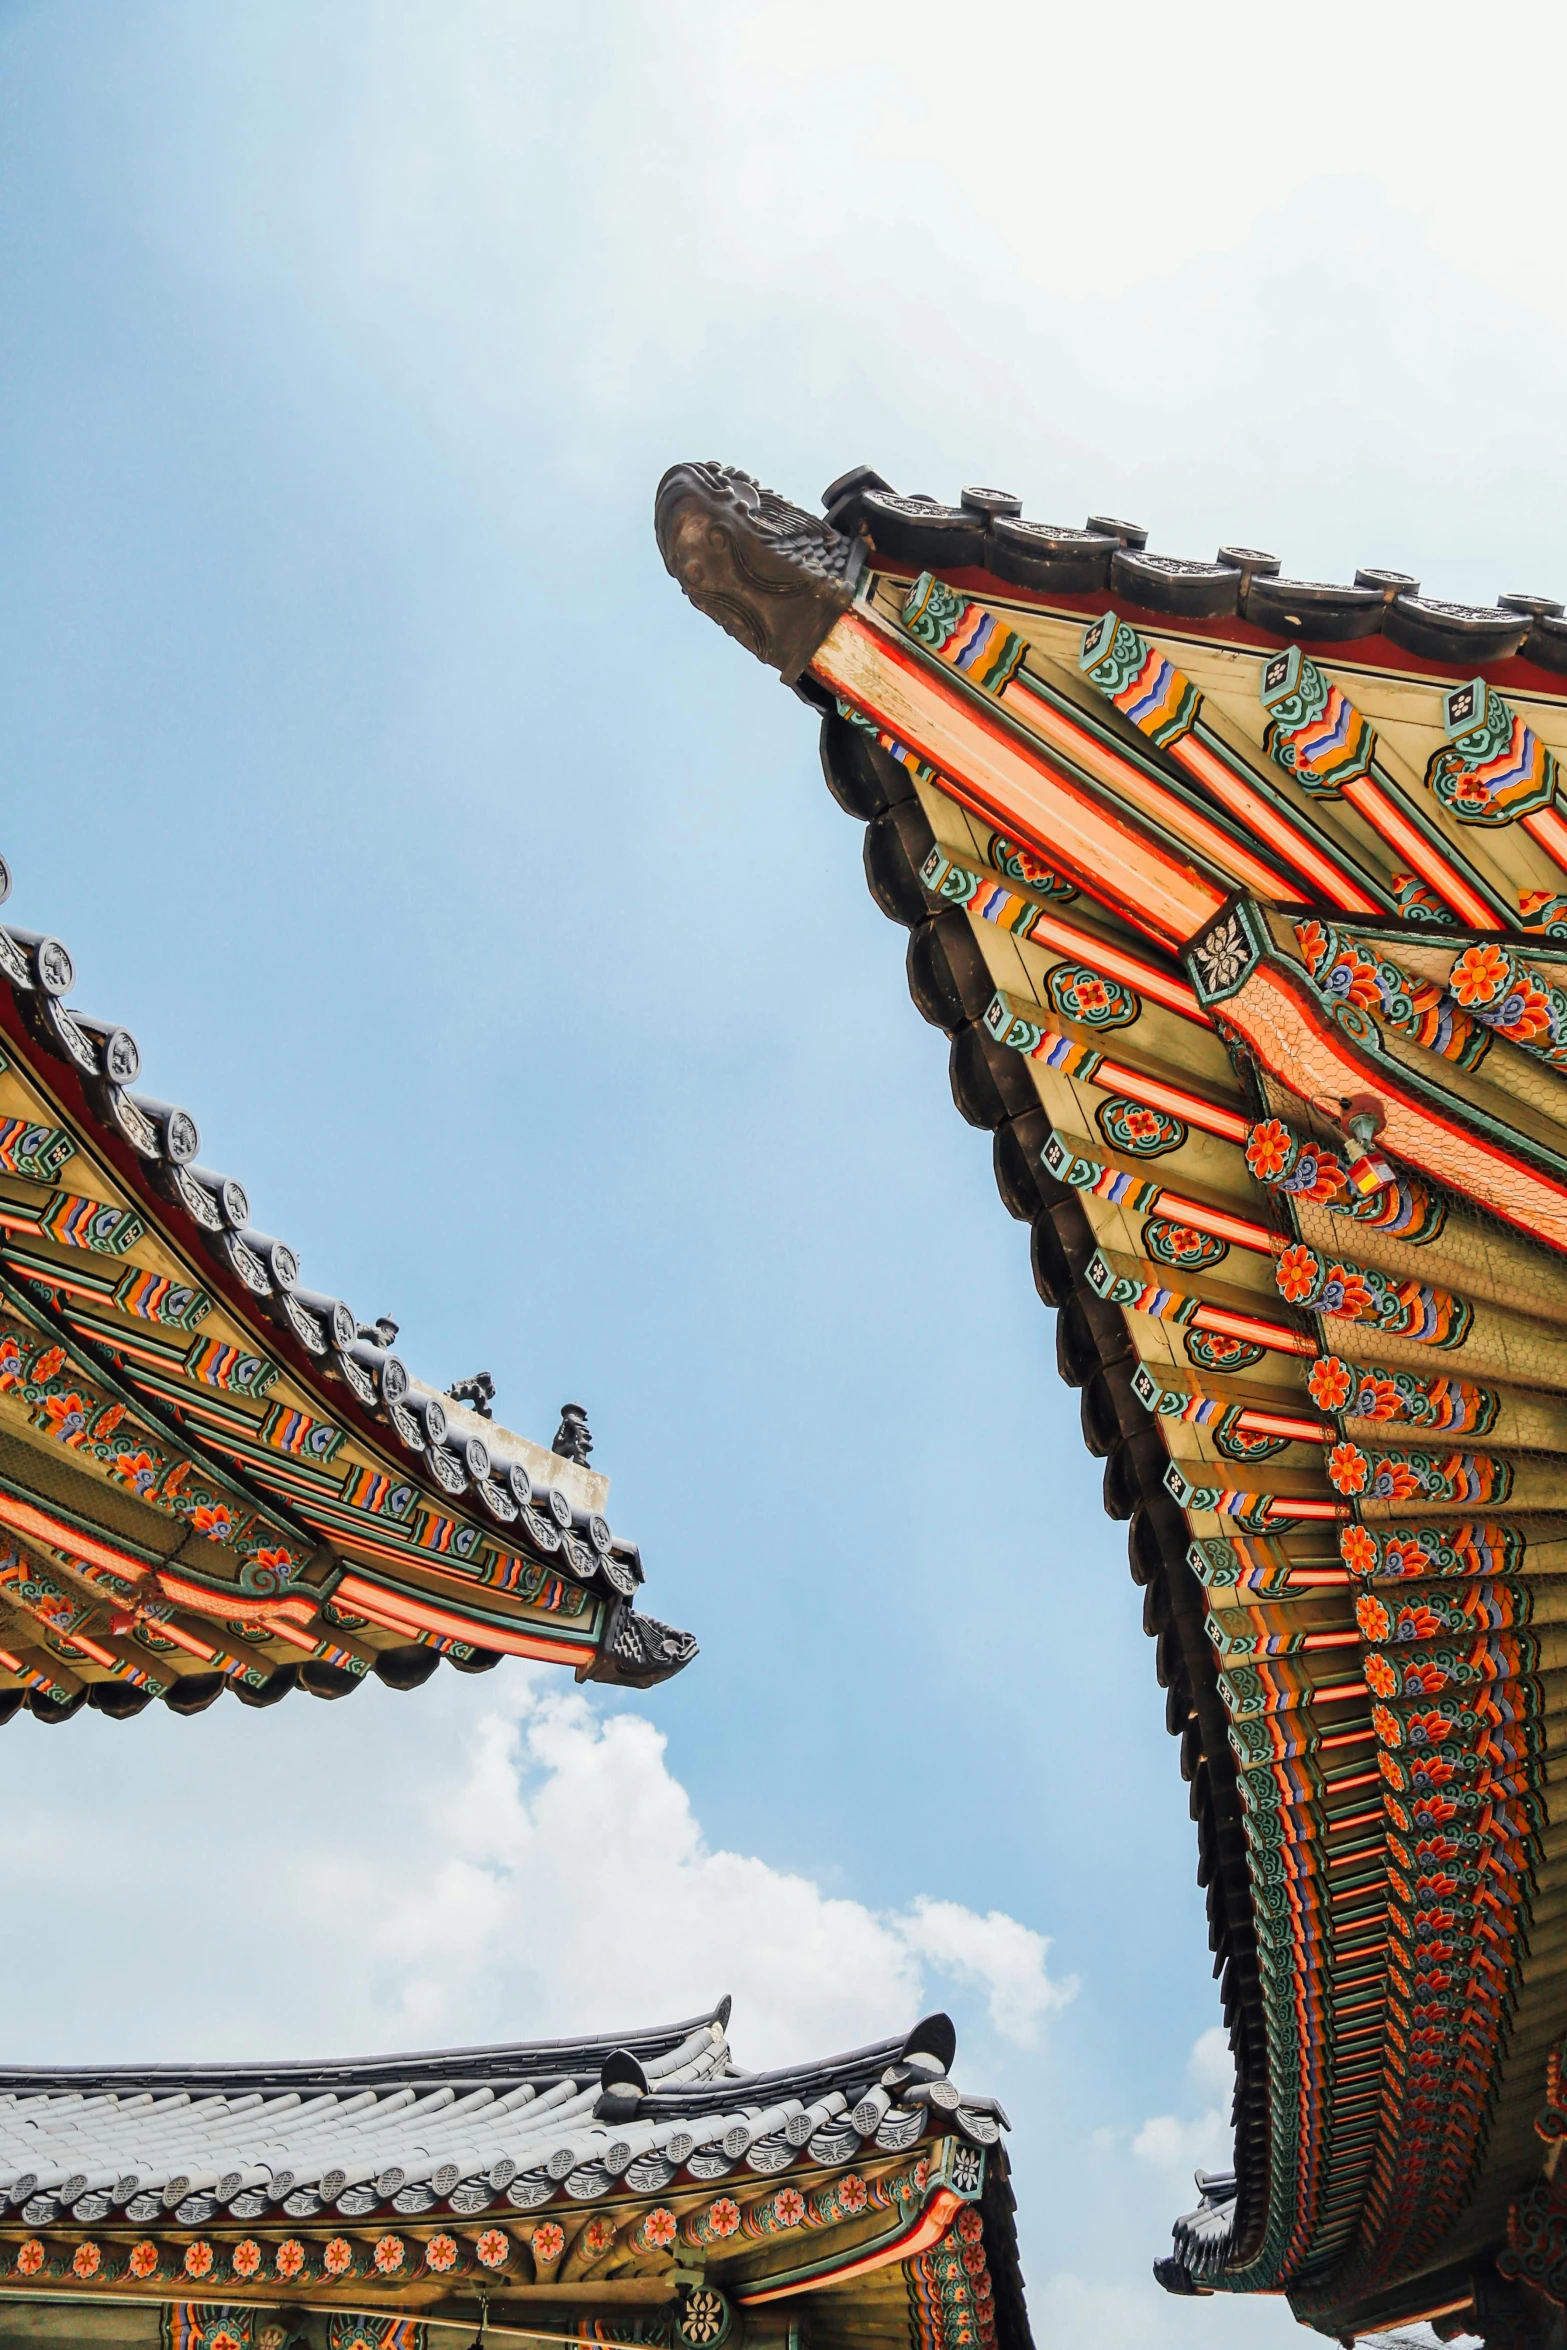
704,2319
1357,1293
1351,973
64,1405
1221,960
1245,1444
1087,996
1297,1273
1409,1620
1020,864
1358,1551
1169,1243
1213,1350
1478,975
1544,911
1270,1148
1307,1170
1514,999
1494,767
1400,1476
1367,1393
1377,1399
1477,1548
1141,1132
1417,903
1328,1383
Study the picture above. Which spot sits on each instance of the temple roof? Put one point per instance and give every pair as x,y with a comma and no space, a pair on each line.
215,1476
556,2169
1243,904
1241,595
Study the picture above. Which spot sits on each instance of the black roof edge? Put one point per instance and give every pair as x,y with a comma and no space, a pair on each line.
992,1090
565,2056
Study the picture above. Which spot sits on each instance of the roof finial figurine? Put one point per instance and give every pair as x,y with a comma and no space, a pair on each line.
478,1393
573,1440
346,1439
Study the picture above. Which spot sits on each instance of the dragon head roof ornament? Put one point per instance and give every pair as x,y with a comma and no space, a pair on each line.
773,577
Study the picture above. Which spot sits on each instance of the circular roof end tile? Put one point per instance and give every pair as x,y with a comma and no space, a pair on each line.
1250,562
1537,607
1042,555
843,500
1163,583
1389,583
858,477
1318,610
990,503
917,530
1467,635
1546,642
176,1128
1126,534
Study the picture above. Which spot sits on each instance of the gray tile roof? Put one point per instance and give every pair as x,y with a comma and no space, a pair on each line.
468,2130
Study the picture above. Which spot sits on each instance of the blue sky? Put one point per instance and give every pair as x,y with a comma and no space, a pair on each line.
486,907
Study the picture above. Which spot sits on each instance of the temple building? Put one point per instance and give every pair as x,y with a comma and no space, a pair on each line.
639,2188
1243,902
213,1477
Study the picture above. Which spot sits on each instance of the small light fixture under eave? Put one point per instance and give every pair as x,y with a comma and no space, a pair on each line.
1368,1173
1360,1118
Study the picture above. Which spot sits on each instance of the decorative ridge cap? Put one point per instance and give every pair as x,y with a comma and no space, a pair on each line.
1379,618
427,2067
491,2055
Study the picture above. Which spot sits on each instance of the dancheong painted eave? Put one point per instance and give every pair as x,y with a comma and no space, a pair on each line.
215,1477
634,2187
1243,902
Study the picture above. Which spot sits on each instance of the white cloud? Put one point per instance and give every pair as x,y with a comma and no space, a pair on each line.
993,1953
1147,2183
1418,2337
1210,2065
1205,2140
572,1852
1116,2315
923,306
536,1869
1111,2316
